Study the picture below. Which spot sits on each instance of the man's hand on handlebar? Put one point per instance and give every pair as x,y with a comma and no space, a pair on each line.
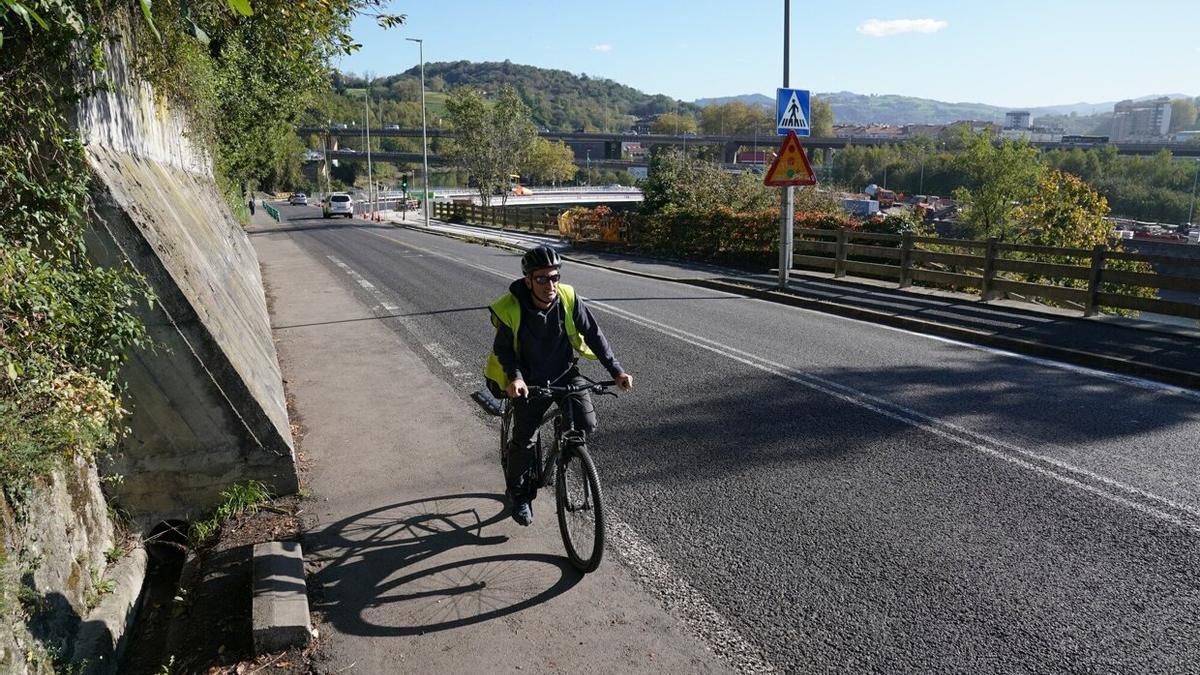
624,381
517,389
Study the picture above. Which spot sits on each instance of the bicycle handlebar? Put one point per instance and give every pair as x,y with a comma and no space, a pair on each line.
549,392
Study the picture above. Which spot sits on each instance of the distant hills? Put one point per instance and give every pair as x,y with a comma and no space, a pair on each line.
565,101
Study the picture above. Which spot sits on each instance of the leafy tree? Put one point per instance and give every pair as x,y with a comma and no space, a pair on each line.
550,162
998,178
735,117
1062,211
493,141
675,124
822,117
678,182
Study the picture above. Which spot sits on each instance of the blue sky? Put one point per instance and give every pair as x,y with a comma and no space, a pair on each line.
1014,53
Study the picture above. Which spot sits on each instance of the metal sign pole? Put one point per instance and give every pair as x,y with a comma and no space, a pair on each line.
785,227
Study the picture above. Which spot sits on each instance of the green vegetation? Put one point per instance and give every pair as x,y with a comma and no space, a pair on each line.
995,179
98,588
1156,188
493,141
550,162
65,324
236,500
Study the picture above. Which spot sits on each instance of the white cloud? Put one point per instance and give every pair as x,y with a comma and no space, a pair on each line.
602,48
880,28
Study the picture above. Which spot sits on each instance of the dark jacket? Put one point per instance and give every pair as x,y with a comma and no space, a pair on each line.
546,354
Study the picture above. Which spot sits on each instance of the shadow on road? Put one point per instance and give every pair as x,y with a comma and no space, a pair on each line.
320,224
377,576
756,419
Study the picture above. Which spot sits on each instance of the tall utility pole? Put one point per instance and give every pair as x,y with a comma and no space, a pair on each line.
325,152
424,133
367,127
1195,180
785,228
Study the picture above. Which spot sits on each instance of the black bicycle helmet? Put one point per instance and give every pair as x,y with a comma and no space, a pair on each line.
539,257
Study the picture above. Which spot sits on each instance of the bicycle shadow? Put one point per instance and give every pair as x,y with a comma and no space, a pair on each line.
376,575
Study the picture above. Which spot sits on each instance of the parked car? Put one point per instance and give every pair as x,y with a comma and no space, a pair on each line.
338,204
298,199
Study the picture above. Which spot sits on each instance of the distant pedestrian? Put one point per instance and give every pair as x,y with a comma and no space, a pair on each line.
252,206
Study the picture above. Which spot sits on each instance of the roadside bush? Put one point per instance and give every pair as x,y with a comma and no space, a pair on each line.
718,234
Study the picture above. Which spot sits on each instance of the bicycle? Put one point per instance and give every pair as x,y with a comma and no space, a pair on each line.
577,495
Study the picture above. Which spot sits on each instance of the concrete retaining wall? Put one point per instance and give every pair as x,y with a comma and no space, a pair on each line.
208,404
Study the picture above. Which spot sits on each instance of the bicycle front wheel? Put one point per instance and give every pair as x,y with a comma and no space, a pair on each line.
580,509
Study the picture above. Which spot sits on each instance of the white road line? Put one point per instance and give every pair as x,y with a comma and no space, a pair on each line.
439,353
992,447
443,357
682,599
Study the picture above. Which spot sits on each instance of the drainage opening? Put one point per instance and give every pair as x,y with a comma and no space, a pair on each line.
166,552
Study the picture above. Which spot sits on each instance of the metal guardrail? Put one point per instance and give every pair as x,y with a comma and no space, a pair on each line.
271,210
1081,278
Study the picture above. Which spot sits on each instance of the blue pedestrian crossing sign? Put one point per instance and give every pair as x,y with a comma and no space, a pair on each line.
791,112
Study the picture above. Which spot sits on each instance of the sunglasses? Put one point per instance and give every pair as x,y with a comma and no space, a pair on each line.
543,279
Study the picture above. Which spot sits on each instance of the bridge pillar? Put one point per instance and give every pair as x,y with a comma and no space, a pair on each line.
731,149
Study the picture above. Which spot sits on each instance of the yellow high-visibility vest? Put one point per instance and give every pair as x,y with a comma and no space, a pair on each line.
508,311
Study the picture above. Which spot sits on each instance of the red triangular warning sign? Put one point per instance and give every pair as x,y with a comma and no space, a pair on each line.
791,167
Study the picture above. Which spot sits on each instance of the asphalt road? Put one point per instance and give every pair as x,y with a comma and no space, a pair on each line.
850,497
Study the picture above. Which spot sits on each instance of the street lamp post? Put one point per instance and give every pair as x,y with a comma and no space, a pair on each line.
367,131
424,133
1192,207
787,207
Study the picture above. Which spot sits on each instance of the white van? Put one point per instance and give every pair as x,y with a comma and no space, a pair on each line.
338,204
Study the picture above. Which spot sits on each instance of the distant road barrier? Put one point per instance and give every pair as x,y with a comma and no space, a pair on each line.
541,219
271,210
1081,278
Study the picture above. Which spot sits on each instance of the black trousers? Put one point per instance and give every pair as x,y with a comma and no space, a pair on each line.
527,417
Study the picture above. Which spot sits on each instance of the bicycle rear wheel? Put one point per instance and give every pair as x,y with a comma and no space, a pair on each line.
580,509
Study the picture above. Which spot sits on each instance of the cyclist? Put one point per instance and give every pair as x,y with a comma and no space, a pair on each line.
541,326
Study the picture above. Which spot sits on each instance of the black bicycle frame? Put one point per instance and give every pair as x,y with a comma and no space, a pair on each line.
564,439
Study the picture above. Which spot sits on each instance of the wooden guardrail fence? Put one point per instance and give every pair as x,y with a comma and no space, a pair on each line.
530,218
1082,278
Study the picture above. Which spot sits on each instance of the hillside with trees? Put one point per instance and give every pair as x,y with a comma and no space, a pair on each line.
557,100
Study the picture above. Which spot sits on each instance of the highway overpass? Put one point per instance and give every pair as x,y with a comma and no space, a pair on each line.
606,146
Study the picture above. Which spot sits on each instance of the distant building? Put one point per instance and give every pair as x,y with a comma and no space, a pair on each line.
976,126
633,151
1141,120
753,157
1017,119
883,131
930,130
1033,134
